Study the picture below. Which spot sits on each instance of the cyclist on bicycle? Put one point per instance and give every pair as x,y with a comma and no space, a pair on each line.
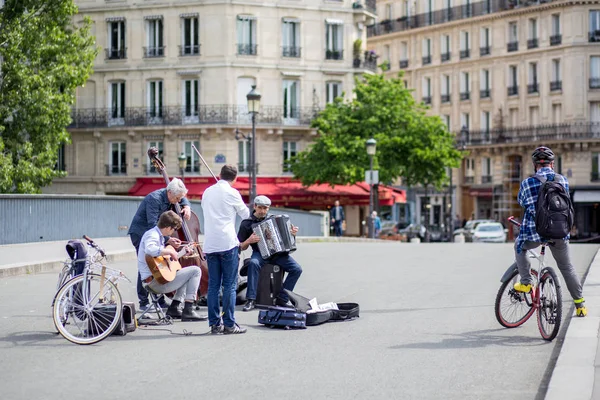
543,164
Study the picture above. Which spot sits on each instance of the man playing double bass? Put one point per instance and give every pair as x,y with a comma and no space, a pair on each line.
146,218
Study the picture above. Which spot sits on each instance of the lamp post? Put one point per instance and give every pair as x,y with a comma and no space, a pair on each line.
464,132
371,149
253,98
182,164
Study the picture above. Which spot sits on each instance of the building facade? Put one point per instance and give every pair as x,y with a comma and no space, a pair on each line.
506,76
176,74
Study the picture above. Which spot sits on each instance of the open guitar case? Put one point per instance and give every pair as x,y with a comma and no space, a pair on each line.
345,312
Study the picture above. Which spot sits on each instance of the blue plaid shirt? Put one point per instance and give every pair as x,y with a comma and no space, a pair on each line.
527,198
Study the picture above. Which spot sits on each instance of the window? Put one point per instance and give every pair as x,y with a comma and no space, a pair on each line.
465,86
513,80
486,170
387,53
155,99
558,164
160,146
116,40
193,161
533,29
533,78
556,113
484,40
426,90
428,11
290,100
534,115
60,159
556,82
244,149
403,51
191,92
289,151
388,11
154,38
246,35
464,45
446,119
445,88
291,37
595,72
189,37
595,112
485,121
405,8
334,40
116,95
426,51
333,91
484,83
445,42
465,120
513,37
118,158
556,24
513,117
595,165
594,21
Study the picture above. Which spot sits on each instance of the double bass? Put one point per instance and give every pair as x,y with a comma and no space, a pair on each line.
188,233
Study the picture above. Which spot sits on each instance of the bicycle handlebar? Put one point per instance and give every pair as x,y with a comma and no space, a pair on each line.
513,221
94,245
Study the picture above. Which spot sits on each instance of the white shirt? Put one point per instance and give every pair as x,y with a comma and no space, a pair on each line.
220,204
151,244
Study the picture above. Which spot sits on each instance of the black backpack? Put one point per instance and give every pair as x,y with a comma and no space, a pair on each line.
554,210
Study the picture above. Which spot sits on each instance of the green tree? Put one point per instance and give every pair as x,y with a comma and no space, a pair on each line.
410,144
44,57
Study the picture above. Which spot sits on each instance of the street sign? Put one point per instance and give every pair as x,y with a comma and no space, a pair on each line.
375,177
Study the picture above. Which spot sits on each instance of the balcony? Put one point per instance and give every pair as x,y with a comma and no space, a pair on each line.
555,86
594,177
247,49
485,51
458,12
594,36
486,179
212,114
403,64
426,60
189,50
465,95
513,90
445,56
594,83
116,54
369,61
291,51
465,54
334,54
532,88
532,43
115,169
469,179
512,46
154,52
565,132
427,99
484,94
555,40
445,98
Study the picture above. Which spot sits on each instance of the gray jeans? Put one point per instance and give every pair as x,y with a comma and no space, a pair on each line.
560,252
185,284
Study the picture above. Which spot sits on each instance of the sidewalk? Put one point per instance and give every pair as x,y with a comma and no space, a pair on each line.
32,258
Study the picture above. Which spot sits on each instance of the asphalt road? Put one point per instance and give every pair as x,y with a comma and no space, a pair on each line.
427,331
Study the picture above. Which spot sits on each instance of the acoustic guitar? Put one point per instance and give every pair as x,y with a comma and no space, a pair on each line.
164,268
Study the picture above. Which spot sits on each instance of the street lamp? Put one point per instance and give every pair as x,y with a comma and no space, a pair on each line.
182,163
371,149
253,98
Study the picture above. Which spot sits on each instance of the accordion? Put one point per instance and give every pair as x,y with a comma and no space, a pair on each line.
275,236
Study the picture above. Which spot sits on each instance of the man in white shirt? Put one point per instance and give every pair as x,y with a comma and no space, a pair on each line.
186,280
220,204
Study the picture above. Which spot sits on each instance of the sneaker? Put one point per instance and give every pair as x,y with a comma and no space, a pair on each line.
144,308
234,330
216,329
283,303
519,287
580,309
250,304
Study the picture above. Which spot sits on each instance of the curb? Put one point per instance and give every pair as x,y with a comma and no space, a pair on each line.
126,255
573,376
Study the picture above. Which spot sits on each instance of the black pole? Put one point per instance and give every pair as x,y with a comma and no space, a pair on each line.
371,219
253,161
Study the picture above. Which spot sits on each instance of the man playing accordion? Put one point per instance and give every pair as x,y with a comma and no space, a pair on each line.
248,238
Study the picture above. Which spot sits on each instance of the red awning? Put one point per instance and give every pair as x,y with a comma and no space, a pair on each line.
284,191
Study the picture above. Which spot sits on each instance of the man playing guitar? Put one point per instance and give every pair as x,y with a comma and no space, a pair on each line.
186,281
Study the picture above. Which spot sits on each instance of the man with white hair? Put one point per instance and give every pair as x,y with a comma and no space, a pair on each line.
146,218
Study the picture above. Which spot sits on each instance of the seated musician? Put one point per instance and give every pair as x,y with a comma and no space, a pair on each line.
248,238
186,281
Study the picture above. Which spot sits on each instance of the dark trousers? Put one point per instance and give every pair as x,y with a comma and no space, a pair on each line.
222,271
285,261
337,228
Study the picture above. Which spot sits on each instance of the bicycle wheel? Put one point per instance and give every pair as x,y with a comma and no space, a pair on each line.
85,312
513,308
550,309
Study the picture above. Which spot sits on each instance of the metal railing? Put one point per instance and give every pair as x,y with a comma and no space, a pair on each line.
484,93
445,98
116,54
427,99
466,53
465,95
594,36
403,64
152,52
426,60
513,90
180,115
445,56
449,14
594,83
486,179
334,54
189,50
291,51
512,46
247,49
532,43
485,50
533,88
555,40
555,85
532,134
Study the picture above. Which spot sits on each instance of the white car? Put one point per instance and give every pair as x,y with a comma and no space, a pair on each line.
489,232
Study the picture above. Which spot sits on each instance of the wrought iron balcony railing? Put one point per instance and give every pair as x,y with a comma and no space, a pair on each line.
426,60
595,177
465,95
533,88
445,98
484,93
594,36
486,179
555,40
334,54
189,50
532,43
532,134
247,49
512,46
469,179
485,50
217,114
115,169
555,86
116,54
445,15
445,56
427,99
466,53
152,52
594,83
291,51
513,90
403,64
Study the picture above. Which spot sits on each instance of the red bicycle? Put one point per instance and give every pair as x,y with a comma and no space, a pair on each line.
515,308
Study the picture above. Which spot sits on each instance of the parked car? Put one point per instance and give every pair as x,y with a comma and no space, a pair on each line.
489,232
469,228
437,233
414,231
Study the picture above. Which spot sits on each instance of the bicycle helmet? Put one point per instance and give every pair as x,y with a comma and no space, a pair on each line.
542,155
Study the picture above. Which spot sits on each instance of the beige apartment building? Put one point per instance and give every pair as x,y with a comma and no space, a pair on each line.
176,74
506,76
